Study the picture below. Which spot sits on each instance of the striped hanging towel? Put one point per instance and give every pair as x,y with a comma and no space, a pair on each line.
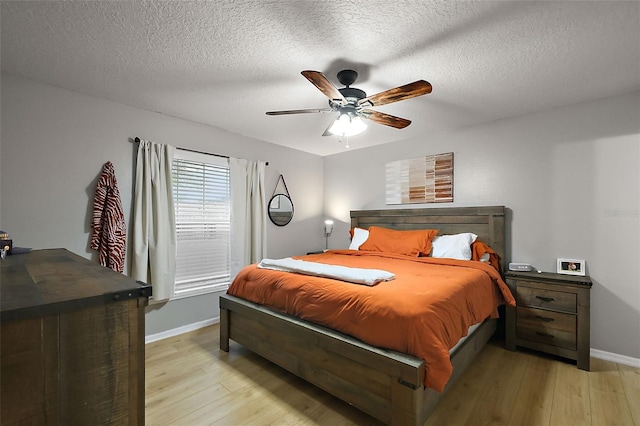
109,230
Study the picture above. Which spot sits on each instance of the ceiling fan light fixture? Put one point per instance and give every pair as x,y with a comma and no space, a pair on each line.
353,104
348,125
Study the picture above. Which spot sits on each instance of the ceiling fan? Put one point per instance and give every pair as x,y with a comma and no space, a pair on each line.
353,104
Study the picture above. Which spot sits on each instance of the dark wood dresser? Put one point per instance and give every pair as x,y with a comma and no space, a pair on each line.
72,336
551,314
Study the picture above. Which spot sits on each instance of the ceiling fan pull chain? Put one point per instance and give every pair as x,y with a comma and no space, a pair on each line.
346,142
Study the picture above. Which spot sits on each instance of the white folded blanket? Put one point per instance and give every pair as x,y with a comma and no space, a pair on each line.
368,277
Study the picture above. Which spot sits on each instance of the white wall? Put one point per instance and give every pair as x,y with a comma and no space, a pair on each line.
570,178
55,141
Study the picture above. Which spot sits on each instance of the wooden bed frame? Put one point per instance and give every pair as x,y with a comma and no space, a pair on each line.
385,384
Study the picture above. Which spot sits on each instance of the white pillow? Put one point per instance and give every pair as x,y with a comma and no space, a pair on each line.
359,237
456,246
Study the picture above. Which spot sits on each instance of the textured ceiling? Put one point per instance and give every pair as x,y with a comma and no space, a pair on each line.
225,63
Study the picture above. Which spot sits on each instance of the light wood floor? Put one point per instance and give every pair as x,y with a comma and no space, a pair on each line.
189,381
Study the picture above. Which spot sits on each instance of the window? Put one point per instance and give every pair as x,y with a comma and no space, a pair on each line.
203,223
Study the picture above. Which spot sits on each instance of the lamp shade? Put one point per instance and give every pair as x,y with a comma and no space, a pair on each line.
348,125
328,226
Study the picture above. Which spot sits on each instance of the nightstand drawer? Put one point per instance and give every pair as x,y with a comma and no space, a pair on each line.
538,318
548,299
549,336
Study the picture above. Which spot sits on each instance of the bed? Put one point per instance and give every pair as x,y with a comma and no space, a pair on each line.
389,385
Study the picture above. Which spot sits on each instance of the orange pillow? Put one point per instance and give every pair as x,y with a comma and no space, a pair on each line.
478,248
410,243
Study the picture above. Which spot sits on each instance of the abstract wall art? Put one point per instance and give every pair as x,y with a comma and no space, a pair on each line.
426,179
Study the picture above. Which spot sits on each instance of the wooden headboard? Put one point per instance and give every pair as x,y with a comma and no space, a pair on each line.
488,223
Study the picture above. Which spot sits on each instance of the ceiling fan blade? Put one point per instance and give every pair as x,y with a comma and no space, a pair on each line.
320,81
386,119
408,91
299,111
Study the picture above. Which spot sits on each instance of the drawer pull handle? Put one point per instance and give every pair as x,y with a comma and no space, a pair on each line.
545,299
545,319
550,336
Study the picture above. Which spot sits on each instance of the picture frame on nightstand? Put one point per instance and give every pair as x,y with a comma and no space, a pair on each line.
571,267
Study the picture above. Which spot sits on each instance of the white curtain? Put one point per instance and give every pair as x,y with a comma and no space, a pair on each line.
154,227
248,213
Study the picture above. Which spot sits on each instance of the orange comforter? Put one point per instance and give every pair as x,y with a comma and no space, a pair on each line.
424,311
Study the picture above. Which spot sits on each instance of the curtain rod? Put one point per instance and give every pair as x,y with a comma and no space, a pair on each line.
137,140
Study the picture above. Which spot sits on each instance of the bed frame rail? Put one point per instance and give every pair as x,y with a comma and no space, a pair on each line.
385,384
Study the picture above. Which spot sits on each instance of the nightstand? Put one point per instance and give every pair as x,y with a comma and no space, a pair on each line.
551,314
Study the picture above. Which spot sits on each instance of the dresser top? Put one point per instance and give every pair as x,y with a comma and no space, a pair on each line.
550,277
47,282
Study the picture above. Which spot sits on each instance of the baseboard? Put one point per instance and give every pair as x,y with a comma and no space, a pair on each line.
620,359
180,330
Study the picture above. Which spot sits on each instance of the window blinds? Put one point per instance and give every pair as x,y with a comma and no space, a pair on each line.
202,207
